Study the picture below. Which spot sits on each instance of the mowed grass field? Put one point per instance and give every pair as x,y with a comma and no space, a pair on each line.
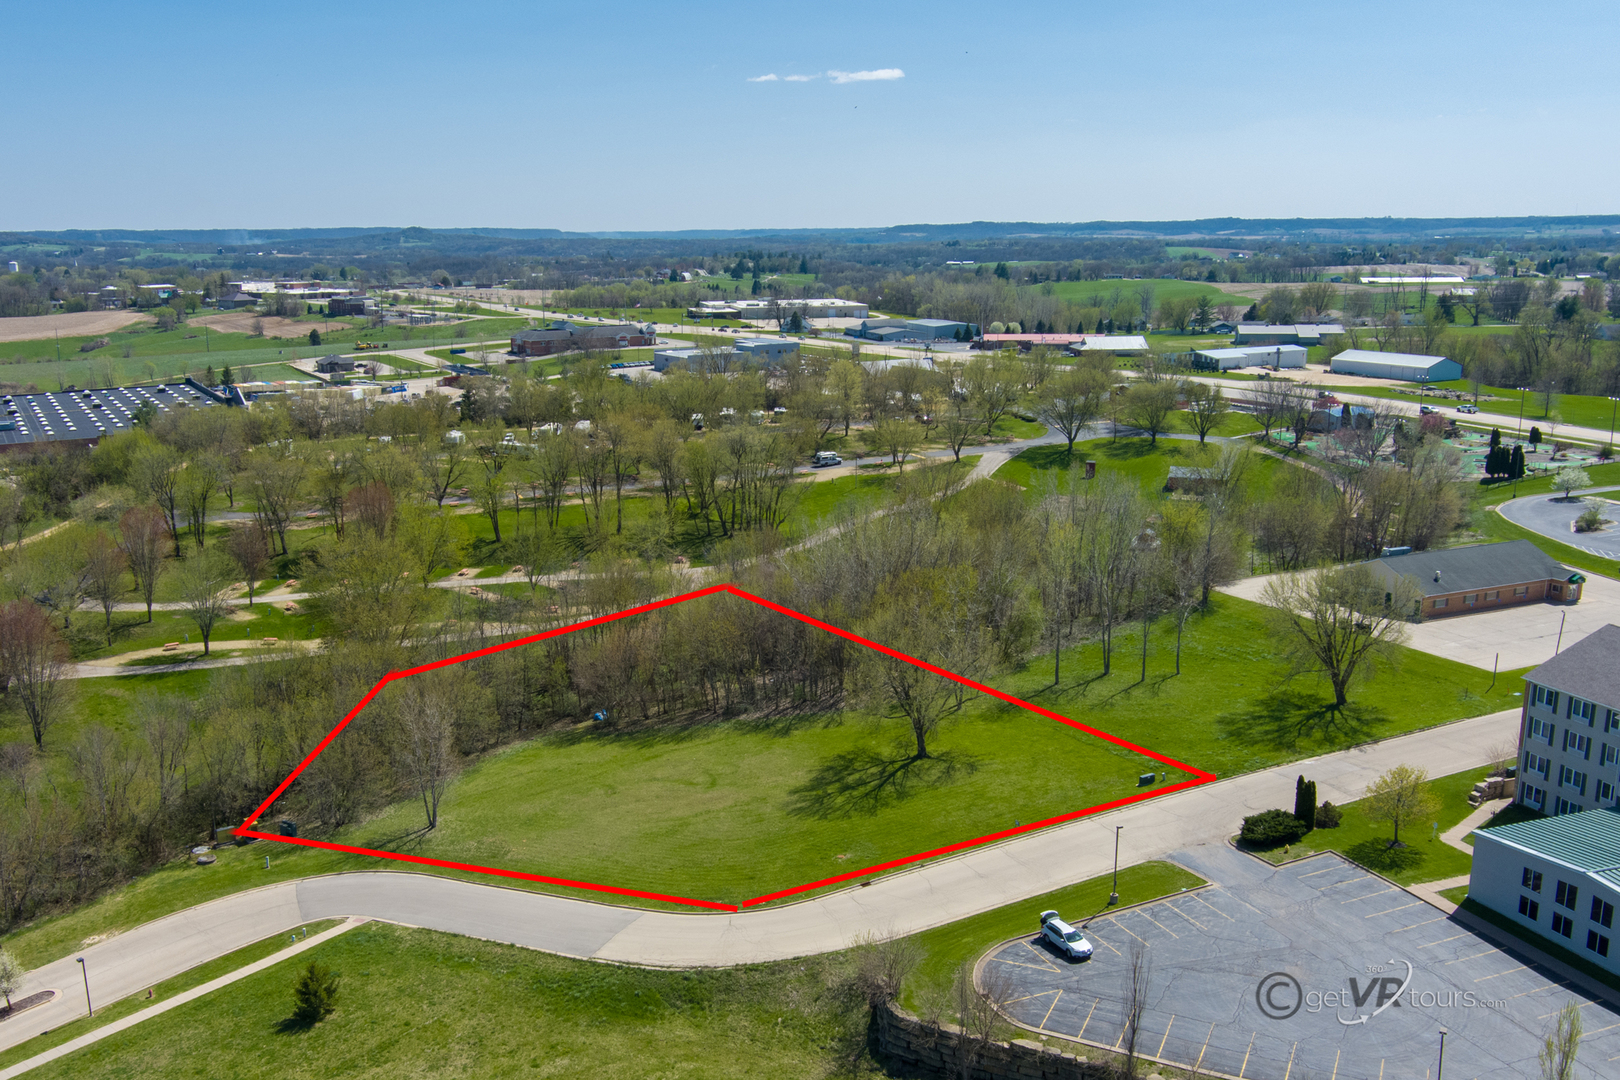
1101,293
1136,456
710,811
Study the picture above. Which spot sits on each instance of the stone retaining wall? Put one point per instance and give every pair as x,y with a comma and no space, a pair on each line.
938,1050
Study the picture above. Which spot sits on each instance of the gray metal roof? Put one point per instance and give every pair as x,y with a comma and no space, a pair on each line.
1392,359
1476,566
1588,841
81,415
1589,669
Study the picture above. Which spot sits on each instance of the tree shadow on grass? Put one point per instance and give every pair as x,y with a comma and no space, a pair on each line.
1379,856
293,1025
864,781
1287,719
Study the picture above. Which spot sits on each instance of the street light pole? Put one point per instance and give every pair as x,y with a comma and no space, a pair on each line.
1440,1071
1113,896
1520,429
1614,403
86,973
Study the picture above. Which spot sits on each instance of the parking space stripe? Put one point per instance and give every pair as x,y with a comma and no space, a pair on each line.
1244,902
1127,929
1470,956
1499,974
1415,925
1346,881
1015,963
1031,997
1550,1015
1391,911
1336,1054
1189,918
1541,990
1369,896
1109,947
1207,1036
1042,957
1048,1015
1291,1053
1313,873
1087,1024
1213,908
1246,1054
1143,912
1588,1035
1443,940
1166,1038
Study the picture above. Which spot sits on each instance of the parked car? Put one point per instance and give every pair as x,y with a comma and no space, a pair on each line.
825,457
1470,409
1065,938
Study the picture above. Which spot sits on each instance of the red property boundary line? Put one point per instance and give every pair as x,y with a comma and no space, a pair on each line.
1200,776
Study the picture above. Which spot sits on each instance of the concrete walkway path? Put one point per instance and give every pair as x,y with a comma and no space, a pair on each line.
175,1002
931,894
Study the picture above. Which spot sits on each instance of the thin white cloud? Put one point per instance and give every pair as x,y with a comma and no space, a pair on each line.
880,75
799,78
763,78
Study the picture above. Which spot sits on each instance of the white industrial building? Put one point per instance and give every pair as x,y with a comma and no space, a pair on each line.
1273,356
1408,367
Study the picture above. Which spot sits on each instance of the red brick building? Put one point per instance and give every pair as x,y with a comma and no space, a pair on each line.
1480,577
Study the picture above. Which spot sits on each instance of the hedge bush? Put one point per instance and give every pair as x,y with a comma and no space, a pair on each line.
1270,828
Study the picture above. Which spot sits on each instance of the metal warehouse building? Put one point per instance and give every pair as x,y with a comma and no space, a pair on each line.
1277,356
1408,367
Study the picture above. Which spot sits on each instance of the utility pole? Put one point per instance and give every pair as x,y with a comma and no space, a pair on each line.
86,973
1113,896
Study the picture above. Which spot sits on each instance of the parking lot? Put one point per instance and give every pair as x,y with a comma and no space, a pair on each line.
1280,972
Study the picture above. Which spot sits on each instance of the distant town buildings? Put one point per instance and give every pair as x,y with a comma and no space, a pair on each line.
760,310
1284,334
1274,356
912,330
561,336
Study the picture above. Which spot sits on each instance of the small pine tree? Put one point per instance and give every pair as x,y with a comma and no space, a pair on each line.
314,337
1496,438
226,376
804,264
1305,803
1535,436
1516,465
314,994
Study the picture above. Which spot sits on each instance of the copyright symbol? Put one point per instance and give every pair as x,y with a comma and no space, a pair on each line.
1279,995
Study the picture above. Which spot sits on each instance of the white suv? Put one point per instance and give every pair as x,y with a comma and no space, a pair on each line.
1071,942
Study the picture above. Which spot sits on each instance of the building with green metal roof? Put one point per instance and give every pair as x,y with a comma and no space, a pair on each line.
1558,877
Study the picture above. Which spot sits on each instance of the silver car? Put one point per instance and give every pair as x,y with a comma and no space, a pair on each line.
1065,938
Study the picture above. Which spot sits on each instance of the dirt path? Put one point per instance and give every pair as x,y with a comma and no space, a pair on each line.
68,324
241,322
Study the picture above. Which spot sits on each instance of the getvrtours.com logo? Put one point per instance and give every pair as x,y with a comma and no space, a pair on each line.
1280,996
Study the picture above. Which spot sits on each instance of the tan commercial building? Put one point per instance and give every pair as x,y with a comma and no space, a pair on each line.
1480,577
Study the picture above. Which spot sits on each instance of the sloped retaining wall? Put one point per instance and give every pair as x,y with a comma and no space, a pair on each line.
938,1050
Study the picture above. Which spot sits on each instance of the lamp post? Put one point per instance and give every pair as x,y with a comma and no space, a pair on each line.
1520,429
1113,896
1614,402
86,973
1440,1071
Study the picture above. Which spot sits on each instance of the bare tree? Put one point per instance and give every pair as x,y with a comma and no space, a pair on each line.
1148,406
103,574
1341,623
427,758
154,471
141,533
276,482
250,547
203,581
1136,993
1071,402
35,659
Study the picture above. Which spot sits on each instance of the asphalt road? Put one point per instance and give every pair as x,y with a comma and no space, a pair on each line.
1554,517
905,902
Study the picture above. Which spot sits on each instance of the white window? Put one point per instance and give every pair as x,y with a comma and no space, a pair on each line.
1581,744
1535,763
1521,590
1541,729
1494,594
1604,792
1533,796
1440,601
1471,598
1581,710
1611,719
1609,755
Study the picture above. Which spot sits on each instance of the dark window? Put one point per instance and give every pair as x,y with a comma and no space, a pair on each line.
1529,908
1566,895
1562,924
1602,912
1532,879
1597,943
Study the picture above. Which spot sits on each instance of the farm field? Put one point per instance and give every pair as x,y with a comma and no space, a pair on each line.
1083,292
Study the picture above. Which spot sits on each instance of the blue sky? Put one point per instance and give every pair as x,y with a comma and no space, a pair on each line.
644,116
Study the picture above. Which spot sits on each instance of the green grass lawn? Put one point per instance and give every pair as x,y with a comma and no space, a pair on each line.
161,992
1233,423
1456,895
1138,457
245,626
1424,858
1484,523
414,1003
1584,410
